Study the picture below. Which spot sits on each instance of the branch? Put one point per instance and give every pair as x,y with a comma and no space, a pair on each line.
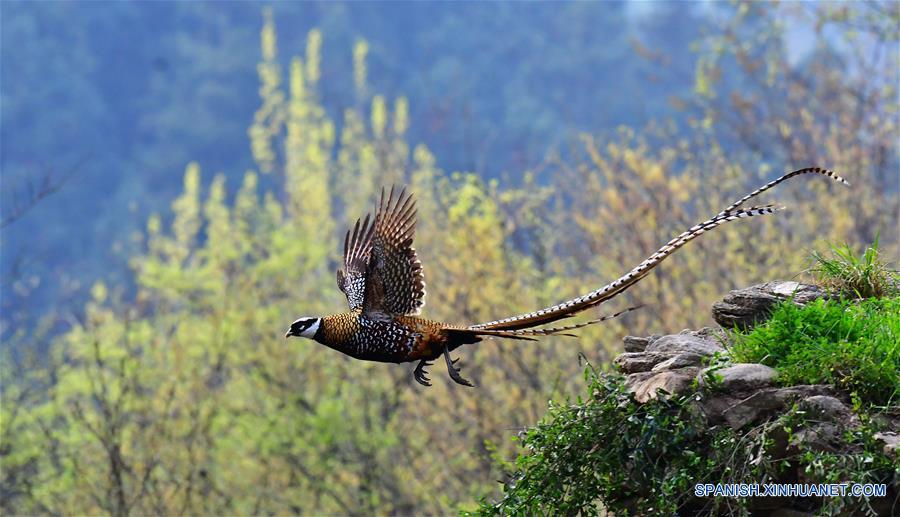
35,192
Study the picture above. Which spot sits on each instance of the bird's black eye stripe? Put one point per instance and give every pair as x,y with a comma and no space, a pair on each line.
302,324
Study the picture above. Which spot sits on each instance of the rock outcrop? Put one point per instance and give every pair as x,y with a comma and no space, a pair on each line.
738,393
742,395
744,308
668,363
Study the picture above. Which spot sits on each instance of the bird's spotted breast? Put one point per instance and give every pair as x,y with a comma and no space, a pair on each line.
384,339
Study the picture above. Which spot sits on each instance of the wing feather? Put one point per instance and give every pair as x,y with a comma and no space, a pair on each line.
395,282
351,278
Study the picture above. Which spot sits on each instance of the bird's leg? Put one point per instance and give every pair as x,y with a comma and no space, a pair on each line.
454,371
420,374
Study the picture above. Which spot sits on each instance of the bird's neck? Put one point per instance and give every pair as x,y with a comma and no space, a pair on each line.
337,332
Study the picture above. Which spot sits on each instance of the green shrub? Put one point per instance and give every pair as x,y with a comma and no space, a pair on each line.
610,453
864,276
855,346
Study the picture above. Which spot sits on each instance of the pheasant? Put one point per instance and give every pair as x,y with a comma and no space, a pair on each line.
383,281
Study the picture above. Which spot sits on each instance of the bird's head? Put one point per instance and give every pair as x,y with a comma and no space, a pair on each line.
304,327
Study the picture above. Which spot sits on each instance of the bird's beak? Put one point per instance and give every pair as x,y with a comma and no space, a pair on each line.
288,334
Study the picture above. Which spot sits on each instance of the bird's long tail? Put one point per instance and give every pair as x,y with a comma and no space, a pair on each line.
571,307
529,334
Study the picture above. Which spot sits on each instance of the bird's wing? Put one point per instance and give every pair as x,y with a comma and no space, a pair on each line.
351,277
395,283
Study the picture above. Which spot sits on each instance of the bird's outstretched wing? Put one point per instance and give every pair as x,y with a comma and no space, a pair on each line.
351,278
394,281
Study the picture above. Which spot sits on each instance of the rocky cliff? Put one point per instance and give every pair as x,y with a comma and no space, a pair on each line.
749,398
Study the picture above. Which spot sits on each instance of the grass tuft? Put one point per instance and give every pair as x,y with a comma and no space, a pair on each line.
863,276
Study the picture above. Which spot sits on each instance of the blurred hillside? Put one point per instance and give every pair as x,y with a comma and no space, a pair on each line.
171,390
123,95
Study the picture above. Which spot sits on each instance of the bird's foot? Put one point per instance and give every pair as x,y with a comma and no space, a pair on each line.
421,375
454,371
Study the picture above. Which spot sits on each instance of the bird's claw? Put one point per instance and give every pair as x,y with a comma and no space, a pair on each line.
454,371
454,374
421,375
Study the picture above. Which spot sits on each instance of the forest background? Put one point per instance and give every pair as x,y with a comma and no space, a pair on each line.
177,178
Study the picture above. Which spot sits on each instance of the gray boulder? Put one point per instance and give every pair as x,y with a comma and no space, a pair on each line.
645,385
746,307
738,412
635,343
679,361
891,441
826,409
635,362
685,343
738,377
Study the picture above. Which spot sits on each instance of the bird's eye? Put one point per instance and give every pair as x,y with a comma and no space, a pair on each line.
303,323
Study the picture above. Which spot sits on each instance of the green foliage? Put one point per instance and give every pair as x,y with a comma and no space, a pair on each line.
851,345
863,276
858,457
610,453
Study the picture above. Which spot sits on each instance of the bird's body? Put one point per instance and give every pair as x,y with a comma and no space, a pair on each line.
391,339
383,281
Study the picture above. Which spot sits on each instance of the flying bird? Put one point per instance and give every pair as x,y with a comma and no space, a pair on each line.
383,281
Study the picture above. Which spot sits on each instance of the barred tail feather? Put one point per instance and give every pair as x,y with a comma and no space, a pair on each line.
571,307
526,334
477,334
767,186
563,331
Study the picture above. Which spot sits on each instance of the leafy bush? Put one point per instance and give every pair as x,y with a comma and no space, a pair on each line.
610,453
865,276
851,345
